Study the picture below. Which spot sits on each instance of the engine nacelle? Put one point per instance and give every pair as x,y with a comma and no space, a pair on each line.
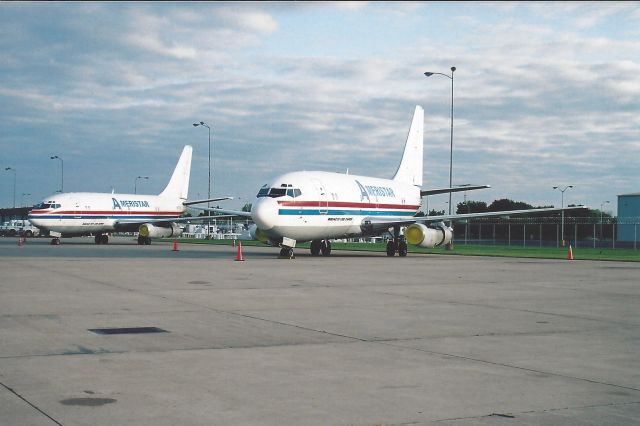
258,234
157,231
423,236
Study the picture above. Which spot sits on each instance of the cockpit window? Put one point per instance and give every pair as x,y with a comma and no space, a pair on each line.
49,205
278,192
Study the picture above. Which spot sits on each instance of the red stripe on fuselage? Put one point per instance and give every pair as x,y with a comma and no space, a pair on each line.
347,204
107,212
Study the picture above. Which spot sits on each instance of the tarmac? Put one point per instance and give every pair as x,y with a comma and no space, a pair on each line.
356,338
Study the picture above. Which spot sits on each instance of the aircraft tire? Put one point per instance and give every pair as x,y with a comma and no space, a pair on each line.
147,241
316,246
325,247
391,248
402,249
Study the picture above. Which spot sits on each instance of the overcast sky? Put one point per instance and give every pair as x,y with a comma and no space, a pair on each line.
546,94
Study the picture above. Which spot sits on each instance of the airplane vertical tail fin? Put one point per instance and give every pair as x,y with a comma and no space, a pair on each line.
410,169
178,186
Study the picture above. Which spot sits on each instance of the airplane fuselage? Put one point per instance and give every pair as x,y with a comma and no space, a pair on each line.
307,206
83,213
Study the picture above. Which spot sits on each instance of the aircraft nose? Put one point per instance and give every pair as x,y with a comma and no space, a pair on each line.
264,213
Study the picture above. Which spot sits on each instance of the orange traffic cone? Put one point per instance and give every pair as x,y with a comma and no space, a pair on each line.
570,253
239,255
175,245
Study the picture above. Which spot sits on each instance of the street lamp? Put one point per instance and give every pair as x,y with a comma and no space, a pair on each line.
14,185
450,77
601,207
562,191
202,123
22,204
62,174
135,183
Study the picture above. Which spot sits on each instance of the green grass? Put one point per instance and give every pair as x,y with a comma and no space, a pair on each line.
626,255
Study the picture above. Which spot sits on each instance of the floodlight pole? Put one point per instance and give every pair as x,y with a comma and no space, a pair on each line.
202,123
62,172
14,184
601,207
135,183
562,191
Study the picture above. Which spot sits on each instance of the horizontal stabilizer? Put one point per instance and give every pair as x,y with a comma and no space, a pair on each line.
454,189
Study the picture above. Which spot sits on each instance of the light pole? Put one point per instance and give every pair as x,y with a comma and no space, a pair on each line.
62,174
14,185
562,191
429,74
601,207
135,183
22,204
202,123
450,77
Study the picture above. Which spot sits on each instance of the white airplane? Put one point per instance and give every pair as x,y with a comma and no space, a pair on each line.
91,213
319,206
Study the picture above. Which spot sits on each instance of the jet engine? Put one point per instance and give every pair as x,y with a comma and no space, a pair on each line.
159,231
423,236
258,234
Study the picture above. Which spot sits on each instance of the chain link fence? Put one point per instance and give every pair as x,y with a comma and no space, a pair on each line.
550,232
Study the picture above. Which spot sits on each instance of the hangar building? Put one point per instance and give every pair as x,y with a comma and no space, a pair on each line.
629,217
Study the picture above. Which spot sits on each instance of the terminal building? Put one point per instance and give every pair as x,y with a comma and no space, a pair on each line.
628,217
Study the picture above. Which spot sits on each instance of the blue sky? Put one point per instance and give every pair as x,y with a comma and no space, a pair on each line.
546,94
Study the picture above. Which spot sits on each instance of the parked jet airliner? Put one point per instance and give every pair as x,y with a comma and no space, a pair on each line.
319,206
91,213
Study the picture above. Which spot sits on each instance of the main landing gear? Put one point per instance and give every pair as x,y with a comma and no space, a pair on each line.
397,244
320,246
101,239
55,241
144,240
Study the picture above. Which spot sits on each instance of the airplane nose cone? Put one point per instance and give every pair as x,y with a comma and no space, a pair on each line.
264,213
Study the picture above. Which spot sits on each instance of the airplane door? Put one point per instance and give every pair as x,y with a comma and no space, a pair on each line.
76,210
323,200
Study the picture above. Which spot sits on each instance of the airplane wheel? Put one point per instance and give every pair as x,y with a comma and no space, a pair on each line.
147,241
55,241
391,248
325,248
98,239
140,240
402,249
315,247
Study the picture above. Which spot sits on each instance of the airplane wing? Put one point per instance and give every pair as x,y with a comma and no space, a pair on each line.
454,189
224,211
189,203
185,219
381,222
